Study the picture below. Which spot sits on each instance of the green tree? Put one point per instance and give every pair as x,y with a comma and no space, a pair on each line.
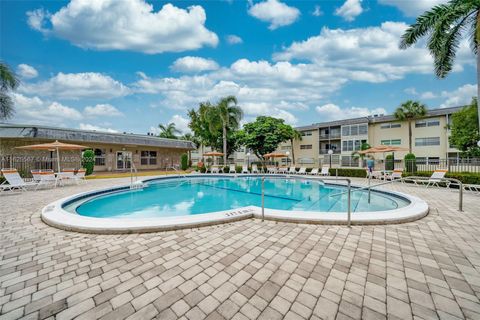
264,135
294,135
8,82
409,111
230,116
168,131
361,156
464,130
445,25
192,138
88,161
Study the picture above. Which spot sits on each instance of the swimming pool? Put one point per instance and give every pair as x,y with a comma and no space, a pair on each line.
178,201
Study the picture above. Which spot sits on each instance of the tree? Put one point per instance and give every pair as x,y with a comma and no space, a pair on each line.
169,131
445,25
409,111
8,82
265,134
294,135
192,138
464,130
230,116
361,156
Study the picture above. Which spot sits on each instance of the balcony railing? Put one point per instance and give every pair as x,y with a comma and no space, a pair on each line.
326,136
325,151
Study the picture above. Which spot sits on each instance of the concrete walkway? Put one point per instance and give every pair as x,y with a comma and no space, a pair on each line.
428,269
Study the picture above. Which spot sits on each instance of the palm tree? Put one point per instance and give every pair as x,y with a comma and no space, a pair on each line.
169,131
8,82
295,135
229,115
445,24
409,111
192,138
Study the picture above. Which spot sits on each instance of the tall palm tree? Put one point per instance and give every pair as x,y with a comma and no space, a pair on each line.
409,111
445,24
8,82
230,116
168,131
295,135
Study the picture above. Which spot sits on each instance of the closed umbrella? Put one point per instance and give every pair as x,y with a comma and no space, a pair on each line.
54,146
213,154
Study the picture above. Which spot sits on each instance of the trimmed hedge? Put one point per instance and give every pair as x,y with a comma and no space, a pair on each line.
184,161
465,177
348,172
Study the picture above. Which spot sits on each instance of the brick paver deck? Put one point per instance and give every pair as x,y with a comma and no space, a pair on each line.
428,269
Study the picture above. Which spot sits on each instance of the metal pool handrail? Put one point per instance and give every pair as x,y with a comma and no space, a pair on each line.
369,187
349,186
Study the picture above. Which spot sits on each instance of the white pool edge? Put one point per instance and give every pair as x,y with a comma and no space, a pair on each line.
54,214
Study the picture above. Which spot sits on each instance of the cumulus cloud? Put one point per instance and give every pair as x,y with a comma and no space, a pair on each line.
194,64
77,86
317,11
350,10
277,13
368,54
27,72
459,97
34,109
102,110
412,8
181,123
126,25
332,111
233,39
91,127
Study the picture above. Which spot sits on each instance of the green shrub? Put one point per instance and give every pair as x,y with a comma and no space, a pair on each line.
88,161
465,177
184,161
389,165
348,172
2,179
410,162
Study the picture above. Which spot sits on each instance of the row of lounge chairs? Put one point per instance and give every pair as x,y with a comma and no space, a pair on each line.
273,170
41,178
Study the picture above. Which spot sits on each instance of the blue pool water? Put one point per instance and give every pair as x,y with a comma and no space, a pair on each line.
189,196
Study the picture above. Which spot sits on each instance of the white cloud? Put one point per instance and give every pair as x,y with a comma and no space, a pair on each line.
317,11
30,109
368,54
126,25
194,64
27,72
91,127
428,95
233,39
412,8
459,97
350,10
77,86
102,110
332,111
422,96
277,13
411,91
181,123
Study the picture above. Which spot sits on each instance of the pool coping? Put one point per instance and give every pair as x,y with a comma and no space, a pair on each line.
54,214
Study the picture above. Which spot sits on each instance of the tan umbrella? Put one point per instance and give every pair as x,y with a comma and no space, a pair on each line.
213,154
275,155
54,146
382,149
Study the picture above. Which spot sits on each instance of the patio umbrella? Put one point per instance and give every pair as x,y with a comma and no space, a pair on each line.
213,154
54,146
382,149
275,155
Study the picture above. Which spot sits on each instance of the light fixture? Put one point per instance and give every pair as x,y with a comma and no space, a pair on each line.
330,152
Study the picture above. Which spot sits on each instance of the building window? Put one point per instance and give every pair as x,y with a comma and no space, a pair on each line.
391,142
305,146
430,141
362,129
390,125
148,158
355,130
352,145
99,157
306,133
286,147
345,131
427,123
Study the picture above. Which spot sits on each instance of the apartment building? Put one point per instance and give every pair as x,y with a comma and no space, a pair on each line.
341,138
239,157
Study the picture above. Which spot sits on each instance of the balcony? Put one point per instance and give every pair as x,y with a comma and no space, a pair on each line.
325,151
331,136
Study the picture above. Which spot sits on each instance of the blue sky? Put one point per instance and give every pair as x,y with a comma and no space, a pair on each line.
130,65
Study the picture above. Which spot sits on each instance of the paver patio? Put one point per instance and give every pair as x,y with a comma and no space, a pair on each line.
427,269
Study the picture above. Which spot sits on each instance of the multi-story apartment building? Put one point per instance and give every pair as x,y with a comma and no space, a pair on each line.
343,137
239,157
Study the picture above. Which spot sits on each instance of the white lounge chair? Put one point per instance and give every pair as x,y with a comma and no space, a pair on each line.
314,172
271,169
254,168
396,174
36,175
48,178
472,187
325,171
80,176
214,169
282,170
292,170
231,169
434,180
15,182
303,170
245,168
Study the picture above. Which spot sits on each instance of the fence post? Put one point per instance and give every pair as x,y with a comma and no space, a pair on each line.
369,182
349,217
263,199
